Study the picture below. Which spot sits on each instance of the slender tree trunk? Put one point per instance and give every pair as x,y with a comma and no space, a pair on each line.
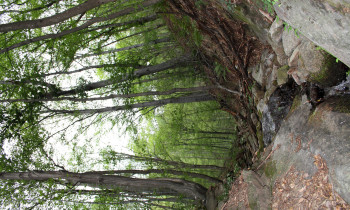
112,96
137,74
88,68
124,12
49,4
157,41
168,162
197,97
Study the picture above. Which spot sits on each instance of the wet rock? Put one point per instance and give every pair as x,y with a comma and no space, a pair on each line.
341,89
277,108
290,41
325,23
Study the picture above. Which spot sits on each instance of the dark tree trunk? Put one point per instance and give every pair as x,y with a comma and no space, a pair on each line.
133,185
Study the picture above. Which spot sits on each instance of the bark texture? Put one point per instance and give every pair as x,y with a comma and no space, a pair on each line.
133,185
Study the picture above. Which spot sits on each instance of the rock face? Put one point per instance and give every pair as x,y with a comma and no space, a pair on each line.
259,193
325,22
277,108
323,132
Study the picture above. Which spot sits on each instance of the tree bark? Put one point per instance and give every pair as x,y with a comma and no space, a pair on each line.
137,74
197,97
81,27
54,19
133,185
162,171
112,96
157,41
168,162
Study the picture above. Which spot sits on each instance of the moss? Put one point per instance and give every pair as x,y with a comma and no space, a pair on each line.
296,103
312,116
342,105
282,75
260,115
253,204
330,74
270,169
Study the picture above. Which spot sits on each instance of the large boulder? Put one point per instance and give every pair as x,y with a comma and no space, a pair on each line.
318,66
326,23
290,41
325,132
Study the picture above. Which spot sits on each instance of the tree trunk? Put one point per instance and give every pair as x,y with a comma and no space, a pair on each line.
197,97
167,162
124,12
161,171
112,96
157,41
137,74
133,185
54,19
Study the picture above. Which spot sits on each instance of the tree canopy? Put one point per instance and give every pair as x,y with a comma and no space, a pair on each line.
72,70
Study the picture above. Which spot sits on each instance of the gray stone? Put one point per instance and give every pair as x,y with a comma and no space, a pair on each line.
293,59
263,73
271,77
317,66
282,75
290,41
276,31
326,23
279,50
259,193
324,132
311,58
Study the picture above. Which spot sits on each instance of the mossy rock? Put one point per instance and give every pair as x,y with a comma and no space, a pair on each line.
331,73
270,169
282,75
318,66
341,104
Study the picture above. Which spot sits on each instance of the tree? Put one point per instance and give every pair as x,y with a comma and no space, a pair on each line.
69,65
108,181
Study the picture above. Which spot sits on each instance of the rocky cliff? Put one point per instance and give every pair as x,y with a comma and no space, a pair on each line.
302,94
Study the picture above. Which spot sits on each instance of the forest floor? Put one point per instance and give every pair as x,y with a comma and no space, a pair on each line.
293,190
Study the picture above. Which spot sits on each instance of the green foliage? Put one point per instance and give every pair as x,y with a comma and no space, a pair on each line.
197,133
269,5
185,30
220,70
